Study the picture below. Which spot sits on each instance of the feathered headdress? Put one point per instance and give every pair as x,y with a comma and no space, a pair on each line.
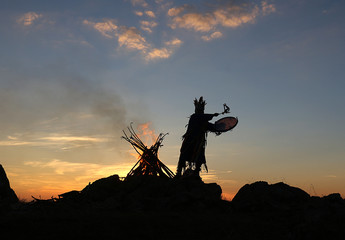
199,105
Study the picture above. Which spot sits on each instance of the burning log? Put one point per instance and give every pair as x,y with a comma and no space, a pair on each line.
148,163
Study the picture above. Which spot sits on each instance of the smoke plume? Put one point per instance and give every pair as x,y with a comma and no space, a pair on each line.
61,104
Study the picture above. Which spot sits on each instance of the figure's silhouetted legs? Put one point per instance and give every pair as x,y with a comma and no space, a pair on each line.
179,168
197,169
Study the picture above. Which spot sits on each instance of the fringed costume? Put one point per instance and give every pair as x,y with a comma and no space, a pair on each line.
192,153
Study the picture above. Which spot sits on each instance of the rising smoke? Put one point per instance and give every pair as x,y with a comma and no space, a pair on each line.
66,103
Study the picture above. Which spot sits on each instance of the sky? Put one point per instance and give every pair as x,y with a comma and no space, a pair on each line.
75,74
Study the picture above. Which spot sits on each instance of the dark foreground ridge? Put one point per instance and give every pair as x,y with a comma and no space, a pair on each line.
148,193
146,207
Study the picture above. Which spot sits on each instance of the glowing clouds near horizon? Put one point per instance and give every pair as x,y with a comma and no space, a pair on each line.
61,141
57,176
84,171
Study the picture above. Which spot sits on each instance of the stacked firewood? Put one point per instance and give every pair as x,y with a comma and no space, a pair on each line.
148,163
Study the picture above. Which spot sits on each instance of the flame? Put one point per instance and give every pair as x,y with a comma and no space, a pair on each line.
228,196
147,136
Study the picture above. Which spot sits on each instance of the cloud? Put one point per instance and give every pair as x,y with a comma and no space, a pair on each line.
57,141
13,143
67,142
107,28
131,39
226,15
234,17
148,25
141,3
138,13
29,18
158,53
176,11
128,37
68,138
212,36
164,52
174,42
150,14
267,8
195,21
83,170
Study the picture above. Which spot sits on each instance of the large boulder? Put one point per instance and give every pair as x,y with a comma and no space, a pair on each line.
102,189
7,195
264,196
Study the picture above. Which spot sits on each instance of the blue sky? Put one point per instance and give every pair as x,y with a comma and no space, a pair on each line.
75,74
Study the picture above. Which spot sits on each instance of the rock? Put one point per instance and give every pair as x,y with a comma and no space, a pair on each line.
7,195
334,197
102,188
263,196
74,194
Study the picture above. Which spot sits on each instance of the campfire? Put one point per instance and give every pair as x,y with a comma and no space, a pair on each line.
148,163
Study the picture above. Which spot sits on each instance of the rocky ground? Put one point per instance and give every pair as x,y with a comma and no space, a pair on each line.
187,208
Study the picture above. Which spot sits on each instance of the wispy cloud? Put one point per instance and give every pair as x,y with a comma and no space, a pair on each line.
138,13
29,18
67,138
12,138
267,8
14,143
57,141
164,52
107,28
68,142
197,22
150,14
174,42
82,170
148,25
141,3
127,37
132,39
158,53
172,12
212,36
234,17
227,16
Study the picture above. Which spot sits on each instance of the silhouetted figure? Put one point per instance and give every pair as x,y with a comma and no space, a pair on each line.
192,153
